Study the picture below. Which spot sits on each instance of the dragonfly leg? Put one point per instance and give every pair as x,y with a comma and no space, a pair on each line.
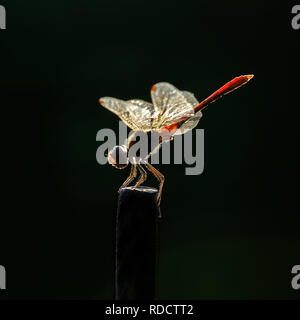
143,175
160,177
130,178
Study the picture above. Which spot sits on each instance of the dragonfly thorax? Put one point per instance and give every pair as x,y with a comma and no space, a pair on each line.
118,157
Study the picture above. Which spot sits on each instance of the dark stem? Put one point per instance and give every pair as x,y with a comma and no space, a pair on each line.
136,243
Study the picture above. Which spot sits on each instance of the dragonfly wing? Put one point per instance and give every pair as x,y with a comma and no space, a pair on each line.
189,124
136,114
192,122
143,113
170,104
190,98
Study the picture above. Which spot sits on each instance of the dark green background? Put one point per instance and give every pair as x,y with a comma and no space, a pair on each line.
230,233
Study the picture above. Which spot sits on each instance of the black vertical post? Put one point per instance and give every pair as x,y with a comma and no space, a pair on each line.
136,244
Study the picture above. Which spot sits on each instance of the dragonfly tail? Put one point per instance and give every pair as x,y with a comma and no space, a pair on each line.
227,88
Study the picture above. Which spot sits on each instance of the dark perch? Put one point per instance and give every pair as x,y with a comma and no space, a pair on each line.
136,244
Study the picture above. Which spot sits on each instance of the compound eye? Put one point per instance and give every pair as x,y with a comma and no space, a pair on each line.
118,157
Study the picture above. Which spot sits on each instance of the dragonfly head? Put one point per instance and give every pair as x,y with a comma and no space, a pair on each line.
118,157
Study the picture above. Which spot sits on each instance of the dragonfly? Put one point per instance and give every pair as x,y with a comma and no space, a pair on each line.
172,112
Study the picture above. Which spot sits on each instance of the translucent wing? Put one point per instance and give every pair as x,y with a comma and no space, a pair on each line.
170,104
192,122
190,98
144,114
137,114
